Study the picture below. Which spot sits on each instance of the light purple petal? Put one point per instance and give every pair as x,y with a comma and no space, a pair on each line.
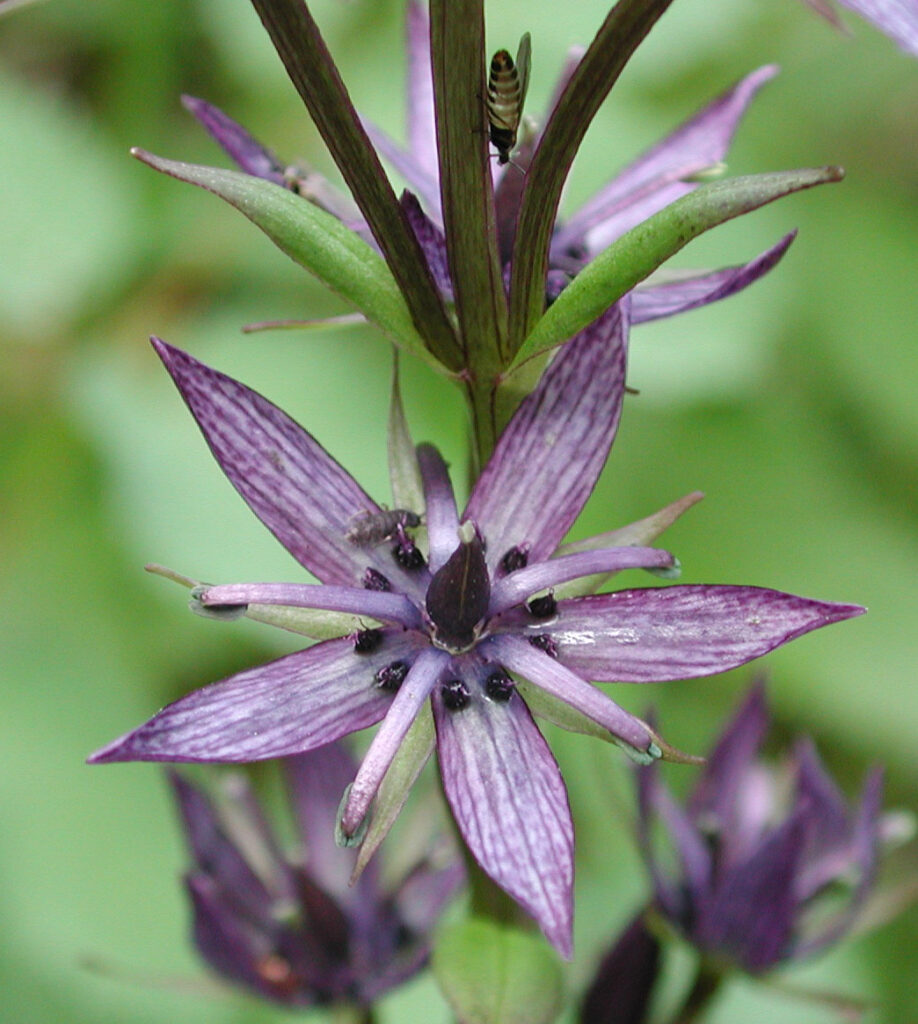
304,497
679,632
508,799
440,506
655,179
245,151
426,670
657,301
421,127
864,858
897,18
715,793
372,603
515,588
288,706
829,825
551,453
543,671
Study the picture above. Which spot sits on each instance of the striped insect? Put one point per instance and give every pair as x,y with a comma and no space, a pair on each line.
367,529
507,85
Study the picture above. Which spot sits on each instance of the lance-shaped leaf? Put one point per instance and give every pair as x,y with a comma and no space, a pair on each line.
299,44
642,249
624,28
315,240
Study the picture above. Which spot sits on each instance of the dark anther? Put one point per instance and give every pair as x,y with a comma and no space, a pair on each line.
516,558
373,580
390,677
545,607
499,686
367,640
455,695
408,555
545,643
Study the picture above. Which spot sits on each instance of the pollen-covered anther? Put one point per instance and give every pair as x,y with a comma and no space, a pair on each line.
374,580
515,558
455,695
499,686
407,554
390,677
367,640
544,607
544,643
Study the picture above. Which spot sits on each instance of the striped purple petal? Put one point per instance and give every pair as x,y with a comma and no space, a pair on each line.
509,801
288,706
646,636
304,497
551,453
656,301
656,178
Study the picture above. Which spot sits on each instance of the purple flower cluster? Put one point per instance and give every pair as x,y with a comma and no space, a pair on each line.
756,861
294,930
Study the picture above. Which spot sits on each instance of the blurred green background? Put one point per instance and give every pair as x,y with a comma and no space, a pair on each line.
793,406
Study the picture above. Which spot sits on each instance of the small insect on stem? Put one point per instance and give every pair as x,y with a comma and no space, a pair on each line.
507,85
369,528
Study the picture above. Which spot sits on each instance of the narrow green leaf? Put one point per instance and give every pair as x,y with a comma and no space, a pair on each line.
497,975
618,37
299,44
641,250
404,474
314,239
458,56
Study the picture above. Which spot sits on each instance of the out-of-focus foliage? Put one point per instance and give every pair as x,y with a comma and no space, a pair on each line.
791,405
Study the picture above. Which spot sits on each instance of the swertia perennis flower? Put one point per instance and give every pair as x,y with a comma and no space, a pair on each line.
294,930
764,854
470,624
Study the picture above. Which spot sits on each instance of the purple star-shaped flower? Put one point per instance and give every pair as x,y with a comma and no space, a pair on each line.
468,621
756,861
294,930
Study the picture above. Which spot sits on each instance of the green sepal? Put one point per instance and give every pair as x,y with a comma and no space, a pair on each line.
413,753
316,241
493,974
634,256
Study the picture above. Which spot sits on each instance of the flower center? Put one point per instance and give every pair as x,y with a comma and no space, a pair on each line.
459,593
